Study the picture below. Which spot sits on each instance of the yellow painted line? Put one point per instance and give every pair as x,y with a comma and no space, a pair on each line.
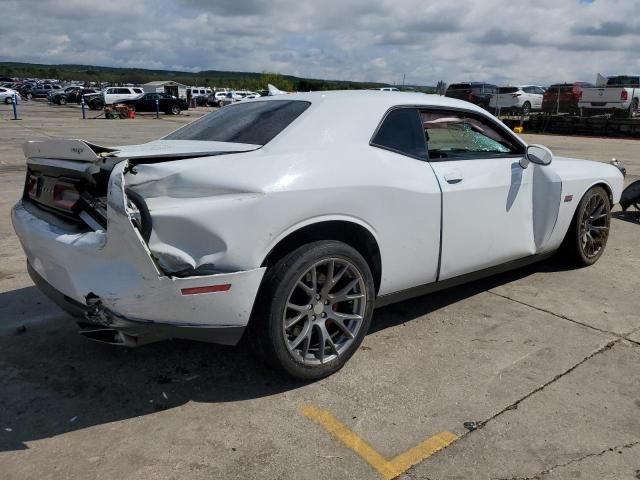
389,469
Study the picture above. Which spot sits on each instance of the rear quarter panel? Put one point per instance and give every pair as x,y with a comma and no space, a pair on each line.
232,210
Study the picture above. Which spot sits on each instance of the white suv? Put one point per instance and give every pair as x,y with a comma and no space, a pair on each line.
116,94
522,98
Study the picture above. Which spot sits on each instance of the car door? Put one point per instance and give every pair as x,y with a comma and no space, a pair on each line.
534,95
147,103
486,194
407,201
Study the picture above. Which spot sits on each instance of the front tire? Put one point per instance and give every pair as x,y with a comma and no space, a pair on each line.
313,310
526,108
175,109
589,231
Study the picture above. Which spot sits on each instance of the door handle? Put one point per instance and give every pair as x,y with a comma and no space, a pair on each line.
453,177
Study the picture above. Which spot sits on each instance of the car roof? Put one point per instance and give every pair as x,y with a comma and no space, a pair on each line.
376,98
325,119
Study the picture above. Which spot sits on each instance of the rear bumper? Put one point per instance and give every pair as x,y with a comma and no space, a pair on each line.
103,325
604,105
113,275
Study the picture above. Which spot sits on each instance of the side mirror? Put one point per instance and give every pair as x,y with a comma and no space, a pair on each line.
539,154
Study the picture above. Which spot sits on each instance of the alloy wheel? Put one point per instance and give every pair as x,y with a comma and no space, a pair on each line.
324,312
594,226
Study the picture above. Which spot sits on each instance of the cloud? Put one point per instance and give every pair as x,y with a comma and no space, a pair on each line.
375,40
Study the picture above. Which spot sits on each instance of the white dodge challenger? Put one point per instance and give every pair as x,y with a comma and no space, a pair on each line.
292,217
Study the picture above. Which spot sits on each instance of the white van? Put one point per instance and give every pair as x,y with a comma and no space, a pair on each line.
200,91
116,94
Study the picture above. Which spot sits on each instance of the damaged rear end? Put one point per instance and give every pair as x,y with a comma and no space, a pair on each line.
105,237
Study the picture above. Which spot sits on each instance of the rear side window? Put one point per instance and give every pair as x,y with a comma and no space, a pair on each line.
401,132
508,89
255,123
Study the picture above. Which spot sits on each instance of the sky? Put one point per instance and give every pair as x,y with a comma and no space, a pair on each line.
500,41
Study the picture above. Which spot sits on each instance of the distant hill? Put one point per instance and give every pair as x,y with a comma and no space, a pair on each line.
210,78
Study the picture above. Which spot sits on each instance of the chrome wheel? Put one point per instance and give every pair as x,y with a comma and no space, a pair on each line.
594,225
324,312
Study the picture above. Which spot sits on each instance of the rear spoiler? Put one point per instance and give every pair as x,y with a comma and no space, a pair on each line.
63,149
152,152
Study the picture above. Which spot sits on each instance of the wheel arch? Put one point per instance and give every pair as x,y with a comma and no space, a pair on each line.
603,184
350,231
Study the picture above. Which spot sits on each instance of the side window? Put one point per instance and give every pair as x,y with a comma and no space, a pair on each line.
111,91
137,90
401,132
462,136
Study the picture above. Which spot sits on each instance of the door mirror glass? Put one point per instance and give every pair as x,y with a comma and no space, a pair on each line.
539,154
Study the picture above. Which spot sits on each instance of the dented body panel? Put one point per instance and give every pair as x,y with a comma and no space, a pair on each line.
117,267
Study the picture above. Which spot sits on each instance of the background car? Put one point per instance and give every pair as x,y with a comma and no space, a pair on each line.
7,94
43,90
563,97
620,95
477,93
147,103
236,96
117,94
55,95
214,98
95,101
523,99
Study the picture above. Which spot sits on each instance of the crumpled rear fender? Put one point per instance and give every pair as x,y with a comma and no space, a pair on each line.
116,266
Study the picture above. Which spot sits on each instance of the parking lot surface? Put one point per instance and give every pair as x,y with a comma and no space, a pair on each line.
529,374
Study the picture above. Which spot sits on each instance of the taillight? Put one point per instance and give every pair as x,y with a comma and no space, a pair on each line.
65,195
624,95
32,186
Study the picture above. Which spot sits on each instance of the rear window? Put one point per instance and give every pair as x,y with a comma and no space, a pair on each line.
256,123
623,81
508,89
459,86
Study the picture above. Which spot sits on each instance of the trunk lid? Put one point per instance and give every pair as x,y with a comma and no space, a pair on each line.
69,178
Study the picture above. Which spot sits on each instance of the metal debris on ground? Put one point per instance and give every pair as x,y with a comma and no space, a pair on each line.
471,425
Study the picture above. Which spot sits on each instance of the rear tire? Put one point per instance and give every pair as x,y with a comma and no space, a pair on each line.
62,101
587,237
526,108
175,110
313,310
7,100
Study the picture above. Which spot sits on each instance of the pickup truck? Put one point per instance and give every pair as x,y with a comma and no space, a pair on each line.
621,94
